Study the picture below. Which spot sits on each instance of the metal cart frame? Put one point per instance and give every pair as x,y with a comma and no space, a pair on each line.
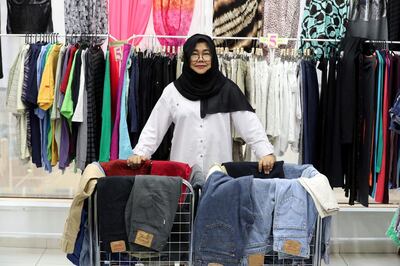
95,250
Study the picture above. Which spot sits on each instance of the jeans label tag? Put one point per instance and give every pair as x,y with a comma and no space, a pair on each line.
292,247
215,264
256,259
118,246
143,238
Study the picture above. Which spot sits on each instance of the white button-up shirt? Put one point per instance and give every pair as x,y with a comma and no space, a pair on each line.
196,140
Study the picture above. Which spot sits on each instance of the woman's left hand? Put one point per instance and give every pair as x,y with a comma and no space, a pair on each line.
266,163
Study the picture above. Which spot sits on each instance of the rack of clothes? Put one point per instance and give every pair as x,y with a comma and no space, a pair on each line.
355,147
98,107
108,105
47,87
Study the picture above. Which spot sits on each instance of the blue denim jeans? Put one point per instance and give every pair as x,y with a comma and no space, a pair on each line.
293,171
284,205
224,216
264,203
263,194
294,218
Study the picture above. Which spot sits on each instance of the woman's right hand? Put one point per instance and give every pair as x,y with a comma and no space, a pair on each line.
136,160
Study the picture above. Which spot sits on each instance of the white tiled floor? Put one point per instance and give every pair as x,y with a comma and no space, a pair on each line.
364,260
54,257
32,257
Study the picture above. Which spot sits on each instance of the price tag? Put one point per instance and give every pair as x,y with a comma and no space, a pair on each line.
283,41
264,40
272,40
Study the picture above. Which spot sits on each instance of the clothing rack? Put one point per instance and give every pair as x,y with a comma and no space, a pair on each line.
184,37
19,35
222,38
385,42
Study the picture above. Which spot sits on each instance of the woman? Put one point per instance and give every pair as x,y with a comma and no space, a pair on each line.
202,103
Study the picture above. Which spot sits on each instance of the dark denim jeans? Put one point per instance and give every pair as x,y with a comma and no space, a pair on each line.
224,217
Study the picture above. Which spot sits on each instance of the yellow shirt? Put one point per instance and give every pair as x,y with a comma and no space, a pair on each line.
46,90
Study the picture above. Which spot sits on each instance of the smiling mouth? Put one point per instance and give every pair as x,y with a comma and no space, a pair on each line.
201,66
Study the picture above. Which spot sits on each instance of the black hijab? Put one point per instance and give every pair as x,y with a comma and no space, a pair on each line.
217,93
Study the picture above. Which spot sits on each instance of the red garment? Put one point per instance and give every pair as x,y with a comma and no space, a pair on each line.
162,168
121,168
170,168
64,83
380,187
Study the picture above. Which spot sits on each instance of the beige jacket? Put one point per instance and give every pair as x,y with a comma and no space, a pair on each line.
87,185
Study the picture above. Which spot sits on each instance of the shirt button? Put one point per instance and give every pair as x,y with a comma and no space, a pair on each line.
177,104
201,155
201,126
201,141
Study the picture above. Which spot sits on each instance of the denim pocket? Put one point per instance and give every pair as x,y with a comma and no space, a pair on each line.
290,213
218,238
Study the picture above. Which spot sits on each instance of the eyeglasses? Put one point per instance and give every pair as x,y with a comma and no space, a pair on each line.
196,57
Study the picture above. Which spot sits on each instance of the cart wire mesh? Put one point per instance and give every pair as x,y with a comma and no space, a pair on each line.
177,251
272,258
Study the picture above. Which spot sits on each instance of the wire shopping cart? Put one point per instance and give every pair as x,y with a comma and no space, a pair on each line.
177,251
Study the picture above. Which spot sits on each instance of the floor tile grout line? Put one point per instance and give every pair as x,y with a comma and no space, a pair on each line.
344,260
41,255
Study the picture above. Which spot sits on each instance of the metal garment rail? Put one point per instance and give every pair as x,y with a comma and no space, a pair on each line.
185,37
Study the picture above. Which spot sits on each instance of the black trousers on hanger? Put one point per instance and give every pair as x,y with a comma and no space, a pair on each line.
365,125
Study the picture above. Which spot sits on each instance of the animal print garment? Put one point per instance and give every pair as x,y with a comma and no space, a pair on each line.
240,18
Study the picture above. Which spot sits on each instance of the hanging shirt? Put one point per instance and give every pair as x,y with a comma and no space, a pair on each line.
106,125
80,115
55,111
196,140
14,101
133,95
64,82
46,95
95,66
46,90
115,133
378,128
67,111
43,115
125,148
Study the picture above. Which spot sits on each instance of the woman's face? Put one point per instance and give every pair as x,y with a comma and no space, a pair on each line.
200,59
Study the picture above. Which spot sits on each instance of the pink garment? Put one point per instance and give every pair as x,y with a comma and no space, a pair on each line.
172,17
114,150
128,17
